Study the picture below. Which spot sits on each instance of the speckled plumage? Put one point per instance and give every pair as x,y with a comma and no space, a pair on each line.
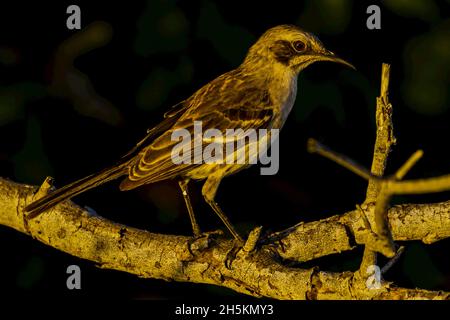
259,94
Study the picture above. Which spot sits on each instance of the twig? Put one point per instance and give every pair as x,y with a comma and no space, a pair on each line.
314,146
382,241
384,135
383,143
407,166
392,261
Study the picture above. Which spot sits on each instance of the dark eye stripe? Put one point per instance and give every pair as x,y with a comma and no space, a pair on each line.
283,51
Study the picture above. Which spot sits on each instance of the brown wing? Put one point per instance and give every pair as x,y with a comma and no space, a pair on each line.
228,102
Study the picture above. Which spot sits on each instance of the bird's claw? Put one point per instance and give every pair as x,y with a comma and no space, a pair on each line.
232,254
247,247
202,241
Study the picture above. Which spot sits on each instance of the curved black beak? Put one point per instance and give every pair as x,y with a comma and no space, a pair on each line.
330,56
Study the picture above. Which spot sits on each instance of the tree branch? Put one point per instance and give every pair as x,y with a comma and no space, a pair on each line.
76,231
384,135
383,144
306,241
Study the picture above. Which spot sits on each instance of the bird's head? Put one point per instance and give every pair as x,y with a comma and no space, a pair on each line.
292,48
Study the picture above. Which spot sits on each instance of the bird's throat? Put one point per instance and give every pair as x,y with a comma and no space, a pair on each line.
283,89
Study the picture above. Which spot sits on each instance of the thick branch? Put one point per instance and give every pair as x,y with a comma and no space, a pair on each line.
76,231
425,222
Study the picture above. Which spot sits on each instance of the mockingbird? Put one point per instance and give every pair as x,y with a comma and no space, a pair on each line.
259,94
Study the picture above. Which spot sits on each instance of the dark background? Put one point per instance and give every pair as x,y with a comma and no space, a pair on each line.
72,102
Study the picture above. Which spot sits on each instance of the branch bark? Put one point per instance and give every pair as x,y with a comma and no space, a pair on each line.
259,272
307,241
383,144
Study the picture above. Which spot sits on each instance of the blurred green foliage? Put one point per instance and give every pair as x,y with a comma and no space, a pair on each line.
31,162
161,28
427,65
310,97
230,41
326,16
30,273
8,56
13,100
419,267
154,91
421,9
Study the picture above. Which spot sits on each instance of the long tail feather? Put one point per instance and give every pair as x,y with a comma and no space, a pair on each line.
75,188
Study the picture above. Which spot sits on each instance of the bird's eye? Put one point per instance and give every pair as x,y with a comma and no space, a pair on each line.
299,46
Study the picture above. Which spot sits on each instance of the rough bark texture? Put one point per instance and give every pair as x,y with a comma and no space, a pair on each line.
259,272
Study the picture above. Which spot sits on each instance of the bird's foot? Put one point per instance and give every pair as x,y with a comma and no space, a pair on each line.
232,253
243,248
203,240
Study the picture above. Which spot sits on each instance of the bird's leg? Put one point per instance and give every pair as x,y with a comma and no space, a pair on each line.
184,190
209,191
